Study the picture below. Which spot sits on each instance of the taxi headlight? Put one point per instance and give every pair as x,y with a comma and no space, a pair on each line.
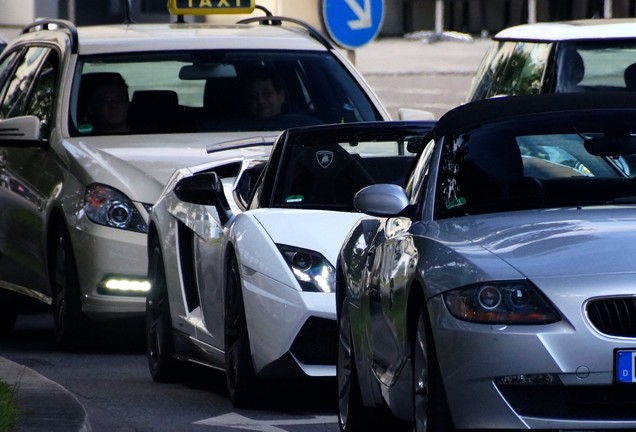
312,270
107,206
501,302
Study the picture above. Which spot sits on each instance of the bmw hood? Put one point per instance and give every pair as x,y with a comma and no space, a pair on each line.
140,165
556,243
319,231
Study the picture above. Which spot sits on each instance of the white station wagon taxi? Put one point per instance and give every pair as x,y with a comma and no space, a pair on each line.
82,161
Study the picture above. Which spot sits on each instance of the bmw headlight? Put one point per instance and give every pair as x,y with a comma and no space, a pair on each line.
501,302
107,206
311,269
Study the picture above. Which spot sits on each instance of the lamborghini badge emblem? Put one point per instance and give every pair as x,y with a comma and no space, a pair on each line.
324,157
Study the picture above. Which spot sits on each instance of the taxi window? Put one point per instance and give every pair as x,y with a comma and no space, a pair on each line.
6,68
17,89
41,103
205,91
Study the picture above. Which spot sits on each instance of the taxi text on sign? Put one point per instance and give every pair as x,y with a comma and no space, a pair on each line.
207,7
353,23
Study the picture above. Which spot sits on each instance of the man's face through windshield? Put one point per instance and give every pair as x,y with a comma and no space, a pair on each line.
264,100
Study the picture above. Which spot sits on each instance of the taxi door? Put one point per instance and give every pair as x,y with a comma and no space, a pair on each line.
28,88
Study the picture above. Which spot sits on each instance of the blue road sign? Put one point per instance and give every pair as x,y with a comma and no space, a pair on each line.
353,23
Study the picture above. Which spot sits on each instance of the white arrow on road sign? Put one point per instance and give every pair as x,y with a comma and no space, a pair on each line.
363,14
237,421
352,23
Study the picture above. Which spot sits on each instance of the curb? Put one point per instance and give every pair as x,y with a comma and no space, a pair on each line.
44,404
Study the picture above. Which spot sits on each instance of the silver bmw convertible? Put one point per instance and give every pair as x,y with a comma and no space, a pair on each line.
497,288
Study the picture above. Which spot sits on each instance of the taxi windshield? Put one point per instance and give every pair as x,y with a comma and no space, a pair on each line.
213,91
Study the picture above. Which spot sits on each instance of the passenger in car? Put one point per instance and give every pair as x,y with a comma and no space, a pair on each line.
265,101
265,94
106,104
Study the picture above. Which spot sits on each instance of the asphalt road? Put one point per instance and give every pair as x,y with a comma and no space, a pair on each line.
110,378
433,93
408,73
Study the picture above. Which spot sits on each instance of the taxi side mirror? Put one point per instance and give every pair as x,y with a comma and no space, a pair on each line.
23,131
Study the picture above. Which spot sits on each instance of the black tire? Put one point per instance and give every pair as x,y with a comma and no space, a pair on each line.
242,382
430,407
69,321
8,316
159,340
351,413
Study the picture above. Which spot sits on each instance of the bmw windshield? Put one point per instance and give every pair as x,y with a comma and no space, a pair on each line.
543,161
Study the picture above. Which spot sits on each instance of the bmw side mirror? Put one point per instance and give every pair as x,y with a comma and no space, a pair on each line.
381,200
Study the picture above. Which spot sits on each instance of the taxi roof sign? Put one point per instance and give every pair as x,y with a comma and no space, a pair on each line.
209,7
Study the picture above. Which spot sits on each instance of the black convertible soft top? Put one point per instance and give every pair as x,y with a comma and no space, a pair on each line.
474,114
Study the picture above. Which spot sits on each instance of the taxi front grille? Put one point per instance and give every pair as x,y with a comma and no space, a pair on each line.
613,316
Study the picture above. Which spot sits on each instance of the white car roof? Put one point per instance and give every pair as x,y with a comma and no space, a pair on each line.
164,37
571,30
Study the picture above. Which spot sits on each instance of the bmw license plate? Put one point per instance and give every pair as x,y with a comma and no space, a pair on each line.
626,366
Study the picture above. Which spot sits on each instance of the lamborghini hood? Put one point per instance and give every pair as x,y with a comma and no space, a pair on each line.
320,231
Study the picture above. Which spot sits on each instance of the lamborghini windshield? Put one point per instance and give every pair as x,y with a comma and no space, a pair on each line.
323,168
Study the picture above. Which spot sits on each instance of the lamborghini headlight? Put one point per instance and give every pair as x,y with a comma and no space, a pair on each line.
311,269
107,206
501,302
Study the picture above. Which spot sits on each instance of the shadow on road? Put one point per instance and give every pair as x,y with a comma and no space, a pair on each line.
273,395
35,332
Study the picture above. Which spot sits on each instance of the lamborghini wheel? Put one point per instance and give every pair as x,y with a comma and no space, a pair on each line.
159,343
240,376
